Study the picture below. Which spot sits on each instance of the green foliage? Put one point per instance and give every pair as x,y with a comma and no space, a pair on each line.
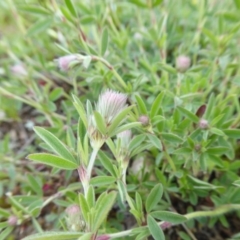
172,149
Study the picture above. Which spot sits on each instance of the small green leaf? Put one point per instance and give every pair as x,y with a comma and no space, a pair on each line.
104,42
183,150
188,114
136,141
34,184
210,106
102,209
54,143
54,235
101,125
172,137
171,217
81,111
155,229
118,119
4,213
6,232
141,105
154,197
156,105
91,197
155,141
71,7
232,133
84,206
106,162
40,26
86,236
217,150
102,181
53,161
168,68
217,131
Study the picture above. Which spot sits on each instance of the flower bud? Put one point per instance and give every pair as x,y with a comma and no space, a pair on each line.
203,124
12,220
144,120
165,225
19,70
65,61
103,237
74,218
183,63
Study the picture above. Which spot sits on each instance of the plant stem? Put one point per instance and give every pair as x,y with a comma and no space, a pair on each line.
91,162
111,68
211,213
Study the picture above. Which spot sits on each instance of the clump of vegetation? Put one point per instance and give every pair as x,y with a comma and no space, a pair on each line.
119,119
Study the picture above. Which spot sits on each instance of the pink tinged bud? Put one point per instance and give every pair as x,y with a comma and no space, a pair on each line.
203,124
65,61
110,103
166,225
103,237
12,220
144,120
19,70
183,63
72,210
82,172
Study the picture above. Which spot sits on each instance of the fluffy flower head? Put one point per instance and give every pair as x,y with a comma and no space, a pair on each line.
110,103
64,62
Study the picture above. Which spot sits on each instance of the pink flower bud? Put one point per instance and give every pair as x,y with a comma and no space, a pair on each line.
203,124
103,237
183,63
19,70
12,220
144,120
72,210
64,62
166,225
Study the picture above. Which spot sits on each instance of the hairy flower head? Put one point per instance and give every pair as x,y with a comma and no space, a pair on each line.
110,103
65,61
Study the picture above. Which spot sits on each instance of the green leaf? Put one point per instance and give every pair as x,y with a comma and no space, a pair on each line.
155,141
102,209
54,236
141,105
156,105
188,114
171,217
183,150
53,161
217,150
5,233
154,197
168,68
84,206
104,42
106,162
232,133
172,137
217,131
40,26
86,236
34,10
125,127
34,184
54,143
102,181
136,141
71,7
118,119
81,111
91,197
237,4
4,213
210,106
155,229
101,125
